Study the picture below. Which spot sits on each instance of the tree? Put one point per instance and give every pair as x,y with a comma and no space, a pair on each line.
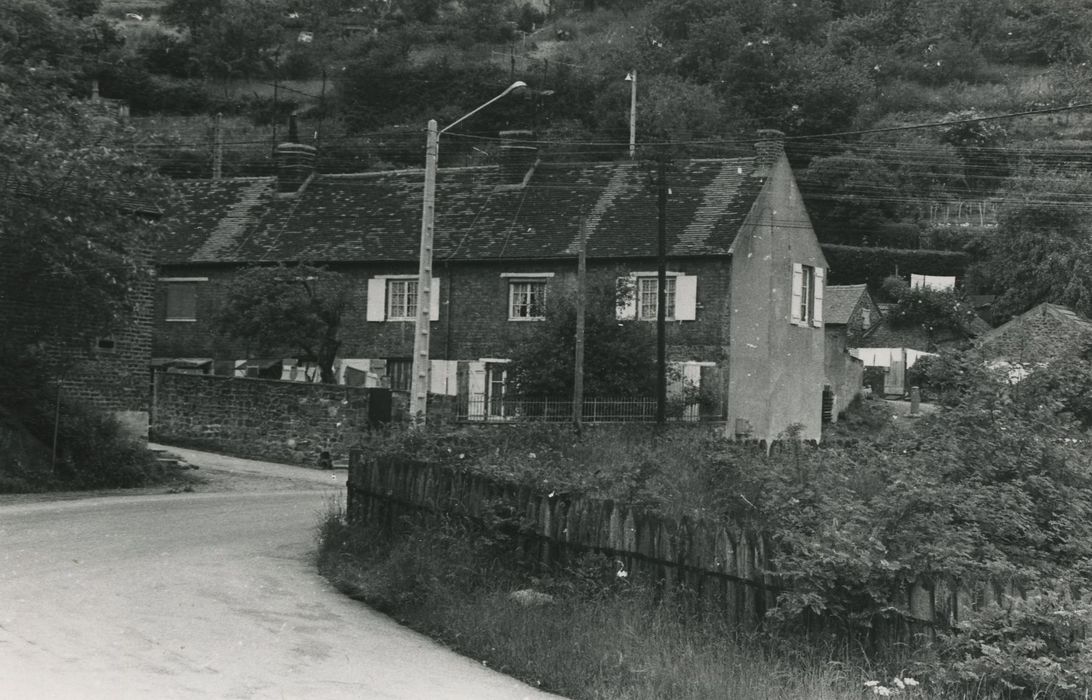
287,308
1042,248
230,37
73,217
619,358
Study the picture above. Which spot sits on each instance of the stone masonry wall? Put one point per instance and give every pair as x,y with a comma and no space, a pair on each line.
109,373
291,422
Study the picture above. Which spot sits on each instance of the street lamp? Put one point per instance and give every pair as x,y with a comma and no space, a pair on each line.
419,395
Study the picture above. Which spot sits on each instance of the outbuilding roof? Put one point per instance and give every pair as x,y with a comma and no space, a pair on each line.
840,301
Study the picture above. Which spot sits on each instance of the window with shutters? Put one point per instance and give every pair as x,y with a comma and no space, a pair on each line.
637,297
807,295
526,300
401,300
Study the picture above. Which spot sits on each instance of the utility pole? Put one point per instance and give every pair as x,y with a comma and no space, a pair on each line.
661,292
419,397
218,147
581,291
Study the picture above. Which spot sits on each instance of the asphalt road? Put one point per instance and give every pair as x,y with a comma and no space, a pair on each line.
203,595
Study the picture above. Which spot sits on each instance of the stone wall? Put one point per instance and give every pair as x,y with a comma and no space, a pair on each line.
291,422
108,372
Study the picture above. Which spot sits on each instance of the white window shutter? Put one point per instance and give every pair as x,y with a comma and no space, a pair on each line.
817,312
476,390
434,300
686,297
377,299
797,284
626,309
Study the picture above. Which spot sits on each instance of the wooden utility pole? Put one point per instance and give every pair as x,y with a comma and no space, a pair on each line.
581,292
661,292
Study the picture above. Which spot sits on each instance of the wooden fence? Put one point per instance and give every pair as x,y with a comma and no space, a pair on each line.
724,564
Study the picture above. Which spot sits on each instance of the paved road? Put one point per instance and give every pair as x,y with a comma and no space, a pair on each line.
203,595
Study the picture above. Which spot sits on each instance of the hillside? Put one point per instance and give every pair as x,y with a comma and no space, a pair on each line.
911,124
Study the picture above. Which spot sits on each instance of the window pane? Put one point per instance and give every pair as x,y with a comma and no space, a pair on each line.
402,299
648,297
527,300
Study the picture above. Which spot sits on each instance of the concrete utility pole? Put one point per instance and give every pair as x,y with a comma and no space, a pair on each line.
632,78
420,370
419,398
581,291
661,293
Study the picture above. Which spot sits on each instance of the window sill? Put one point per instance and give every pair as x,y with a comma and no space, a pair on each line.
181,320
526,318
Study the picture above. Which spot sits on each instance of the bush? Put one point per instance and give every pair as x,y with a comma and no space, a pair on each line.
47,445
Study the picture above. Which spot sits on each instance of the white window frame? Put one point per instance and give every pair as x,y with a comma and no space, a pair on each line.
521,286
652,281
406,295
179,282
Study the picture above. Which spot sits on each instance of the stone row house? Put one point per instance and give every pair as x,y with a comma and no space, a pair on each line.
745,285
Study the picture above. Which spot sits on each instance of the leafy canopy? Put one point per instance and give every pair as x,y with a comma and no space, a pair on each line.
79,202
293,309
619,357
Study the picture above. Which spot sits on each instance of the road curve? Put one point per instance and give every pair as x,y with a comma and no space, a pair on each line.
206,595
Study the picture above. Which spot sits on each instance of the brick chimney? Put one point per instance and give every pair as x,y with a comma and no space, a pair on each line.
768,149
518,156
295,165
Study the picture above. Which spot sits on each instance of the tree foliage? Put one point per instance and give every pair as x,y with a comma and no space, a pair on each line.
76,215
293,309
619,358
230,38
1041,250
933,310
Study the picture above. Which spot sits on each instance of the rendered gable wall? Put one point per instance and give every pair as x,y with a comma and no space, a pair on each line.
776,373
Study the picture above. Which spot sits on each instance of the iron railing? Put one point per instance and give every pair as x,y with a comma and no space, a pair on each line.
637,410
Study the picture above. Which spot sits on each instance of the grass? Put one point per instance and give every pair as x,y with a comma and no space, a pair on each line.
599,637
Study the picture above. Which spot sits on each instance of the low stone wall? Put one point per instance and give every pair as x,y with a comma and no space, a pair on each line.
294,422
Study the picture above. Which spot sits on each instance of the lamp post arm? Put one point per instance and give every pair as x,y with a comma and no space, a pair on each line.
514,86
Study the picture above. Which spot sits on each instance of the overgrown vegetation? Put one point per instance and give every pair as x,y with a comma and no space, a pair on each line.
50,443
994,489
583,632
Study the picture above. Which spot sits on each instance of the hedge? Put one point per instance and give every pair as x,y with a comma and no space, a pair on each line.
854,264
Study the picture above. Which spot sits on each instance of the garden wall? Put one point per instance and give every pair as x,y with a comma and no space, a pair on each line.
293,422
725,564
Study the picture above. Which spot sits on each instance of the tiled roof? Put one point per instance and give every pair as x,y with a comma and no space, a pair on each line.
1052,312
377,216
839,302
